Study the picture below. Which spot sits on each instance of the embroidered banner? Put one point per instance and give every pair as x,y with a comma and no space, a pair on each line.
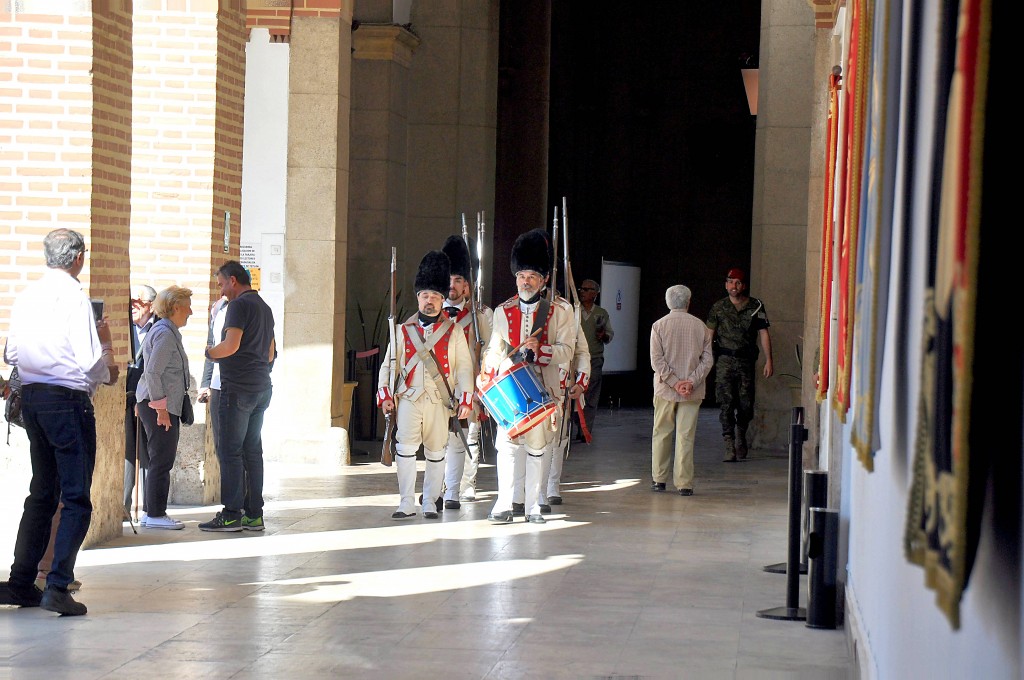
877,199
947,491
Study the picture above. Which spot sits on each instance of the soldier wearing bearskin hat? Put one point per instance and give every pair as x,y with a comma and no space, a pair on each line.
461,465
546,341
422,401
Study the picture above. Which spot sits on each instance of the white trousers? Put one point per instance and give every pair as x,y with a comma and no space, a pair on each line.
457,459
552,476
520,471
420,422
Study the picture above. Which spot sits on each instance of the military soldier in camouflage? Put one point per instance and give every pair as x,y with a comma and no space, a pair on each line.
738,322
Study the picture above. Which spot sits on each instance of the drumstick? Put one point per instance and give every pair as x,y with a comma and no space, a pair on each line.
531,335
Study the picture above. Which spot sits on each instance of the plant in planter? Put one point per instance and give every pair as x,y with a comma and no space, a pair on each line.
375,336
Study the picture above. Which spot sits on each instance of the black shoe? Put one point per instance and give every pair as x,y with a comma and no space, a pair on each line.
519,509
503,517
427,514
221,523
452,505
439,503
686,492
60,601
554,500
657,486
545,509
536,519
20,596
398,514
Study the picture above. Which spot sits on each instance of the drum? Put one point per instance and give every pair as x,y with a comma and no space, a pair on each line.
517,400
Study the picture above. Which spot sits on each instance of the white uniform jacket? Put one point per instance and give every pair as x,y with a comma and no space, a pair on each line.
452,352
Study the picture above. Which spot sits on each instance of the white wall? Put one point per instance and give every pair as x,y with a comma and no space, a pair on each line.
265,165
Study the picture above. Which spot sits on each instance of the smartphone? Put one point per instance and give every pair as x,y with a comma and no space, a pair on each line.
97,308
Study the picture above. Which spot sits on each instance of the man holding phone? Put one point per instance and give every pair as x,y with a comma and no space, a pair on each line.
63,355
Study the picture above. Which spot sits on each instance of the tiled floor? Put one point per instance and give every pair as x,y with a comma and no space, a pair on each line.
620,583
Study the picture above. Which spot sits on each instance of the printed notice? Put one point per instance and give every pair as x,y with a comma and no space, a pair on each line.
247,255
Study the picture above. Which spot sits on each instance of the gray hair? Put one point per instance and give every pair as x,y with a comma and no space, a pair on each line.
678,297
170,298
61,247
144,293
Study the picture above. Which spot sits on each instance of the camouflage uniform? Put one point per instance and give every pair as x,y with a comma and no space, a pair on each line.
736,332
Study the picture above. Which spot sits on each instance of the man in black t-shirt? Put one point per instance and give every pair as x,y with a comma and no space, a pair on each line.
246,354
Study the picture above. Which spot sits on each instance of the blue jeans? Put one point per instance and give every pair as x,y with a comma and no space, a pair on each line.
240,450
61,426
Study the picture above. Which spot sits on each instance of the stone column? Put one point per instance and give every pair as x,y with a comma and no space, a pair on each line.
311,369
377,193
780,211
452,124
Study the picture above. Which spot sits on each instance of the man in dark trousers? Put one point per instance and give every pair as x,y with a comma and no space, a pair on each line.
63,354
136,447
246,354
738,322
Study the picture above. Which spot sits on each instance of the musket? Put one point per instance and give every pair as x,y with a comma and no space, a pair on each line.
487,434
573,295
387,454
553,290
480,255
478,343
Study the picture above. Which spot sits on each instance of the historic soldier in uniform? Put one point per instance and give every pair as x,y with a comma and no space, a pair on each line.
738,322
457,308
575,378
528,327
432,358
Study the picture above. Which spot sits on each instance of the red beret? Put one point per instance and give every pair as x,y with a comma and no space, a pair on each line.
736,273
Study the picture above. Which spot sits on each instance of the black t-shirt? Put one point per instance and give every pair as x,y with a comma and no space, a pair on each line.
248,370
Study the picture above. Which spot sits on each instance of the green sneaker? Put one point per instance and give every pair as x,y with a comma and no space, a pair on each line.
253,523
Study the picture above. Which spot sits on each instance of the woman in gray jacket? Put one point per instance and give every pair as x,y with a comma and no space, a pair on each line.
160,395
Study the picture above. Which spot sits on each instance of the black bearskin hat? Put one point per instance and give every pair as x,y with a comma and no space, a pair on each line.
532,251
434,273
458,254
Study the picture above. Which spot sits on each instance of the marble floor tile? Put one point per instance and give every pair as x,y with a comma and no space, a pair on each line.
620,583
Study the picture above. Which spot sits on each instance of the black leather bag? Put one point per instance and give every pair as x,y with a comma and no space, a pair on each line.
188,416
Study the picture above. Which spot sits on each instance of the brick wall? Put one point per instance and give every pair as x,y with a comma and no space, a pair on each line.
45,142
277,16
110,210
173,111
230,107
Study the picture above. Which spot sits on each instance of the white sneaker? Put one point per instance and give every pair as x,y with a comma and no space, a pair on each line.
164,522
468,495
142,519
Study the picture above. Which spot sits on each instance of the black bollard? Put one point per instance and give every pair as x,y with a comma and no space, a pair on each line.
823,554
815,495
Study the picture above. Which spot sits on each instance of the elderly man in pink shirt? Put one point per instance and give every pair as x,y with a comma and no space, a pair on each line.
681,358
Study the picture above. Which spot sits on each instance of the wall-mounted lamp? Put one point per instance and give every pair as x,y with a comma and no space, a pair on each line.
749,72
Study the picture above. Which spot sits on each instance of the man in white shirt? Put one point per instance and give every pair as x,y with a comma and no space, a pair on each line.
63,354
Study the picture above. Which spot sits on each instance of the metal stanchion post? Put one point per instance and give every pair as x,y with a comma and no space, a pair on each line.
815,495
792,612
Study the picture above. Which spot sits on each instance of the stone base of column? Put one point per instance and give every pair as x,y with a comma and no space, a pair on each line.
327,446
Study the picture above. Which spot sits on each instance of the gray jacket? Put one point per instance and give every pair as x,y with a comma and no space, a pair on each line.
166,367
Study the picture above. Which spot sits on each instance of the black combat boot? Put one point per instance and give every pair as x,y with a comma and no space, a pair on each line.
741,444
